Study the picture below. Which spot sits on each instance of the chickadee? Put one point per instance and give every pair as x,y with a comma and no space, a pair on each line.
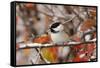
58,36
57,33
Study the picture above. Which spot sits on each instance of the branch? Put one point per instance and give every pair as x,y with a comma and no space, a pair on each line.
37,45
73,16
76,13
59,17
50,9
41,56
38,55
88,32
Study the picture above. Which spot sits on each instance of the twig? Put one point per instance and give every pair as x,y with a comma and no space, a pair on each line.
87,12
64,14
37,45
77,14
40,54
73,10
50,9
69,19
89,32
56,15
32,61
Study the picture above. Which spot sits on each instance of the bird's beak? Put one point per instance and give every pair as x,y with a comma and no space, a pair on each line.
48,30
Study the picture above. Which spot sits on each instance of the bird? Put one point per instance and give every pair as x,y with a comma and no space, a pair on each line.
59,36
57,33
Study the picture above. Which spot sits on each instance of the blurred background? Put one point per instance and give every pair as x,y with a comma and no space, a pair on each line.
33,22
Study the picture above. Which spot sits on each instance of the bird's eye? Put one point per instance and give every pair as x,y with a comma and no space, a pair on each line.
55,25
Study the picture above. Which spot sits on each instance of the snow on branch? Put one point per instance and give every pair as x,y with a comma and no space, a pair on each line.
38,45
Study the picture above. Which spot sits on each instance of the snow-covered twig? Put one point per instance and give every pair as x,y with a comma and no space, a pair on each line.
38,45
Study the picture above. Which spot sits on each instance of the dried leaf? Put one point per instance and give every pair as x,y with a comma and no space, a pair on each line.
87,24
50,54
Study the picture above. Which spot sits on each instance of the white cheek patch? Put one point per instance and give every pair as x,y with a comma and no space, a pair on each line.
59,28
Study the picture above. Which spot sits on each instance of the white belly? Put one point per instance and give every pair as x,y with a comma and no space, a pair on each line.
59,37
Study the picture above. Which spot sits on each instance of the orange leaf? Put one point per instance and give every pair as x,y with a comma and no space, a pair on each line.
26,52
29,5
42,39
93,13
50,54
87,24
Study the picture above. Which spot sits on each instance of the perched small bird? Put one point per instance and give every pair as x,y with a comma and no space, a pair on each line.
58,36
57,33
